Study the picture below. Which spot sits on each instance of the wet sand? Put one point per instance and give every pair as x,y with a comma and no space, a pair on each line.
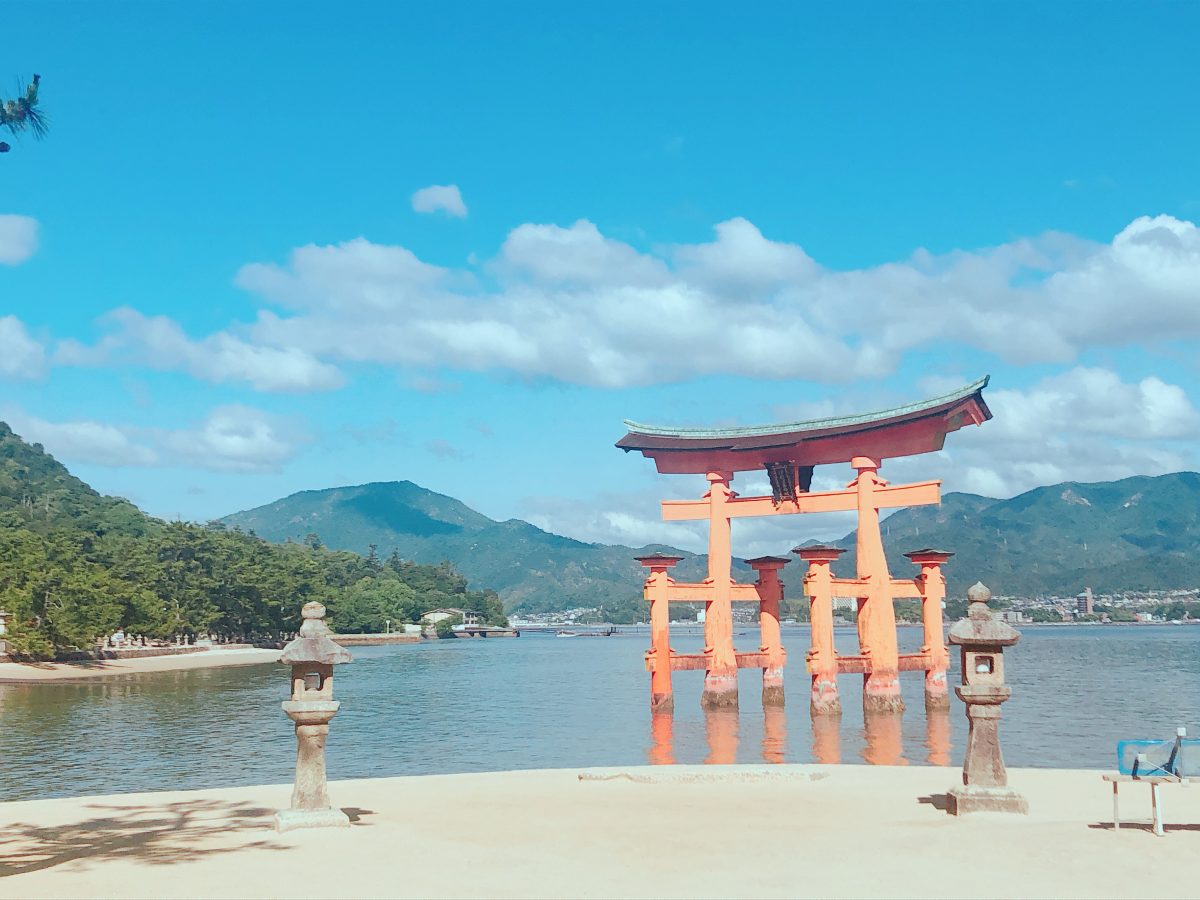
686,831
74,671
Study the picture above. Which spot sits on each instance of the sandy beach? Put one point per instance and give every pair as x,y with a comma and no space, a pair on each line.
686,831
74,671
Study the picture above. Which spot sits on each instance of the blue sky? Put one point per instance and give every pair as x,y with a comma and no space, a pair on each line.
217,285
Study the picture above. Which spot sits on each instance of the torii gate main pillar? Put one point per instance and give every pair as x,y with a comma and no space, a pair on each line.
876,615
720,679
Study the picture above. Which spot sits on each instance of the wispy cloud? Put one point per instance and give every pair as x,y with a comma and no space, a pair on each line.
160,343
18,239
20,355
570,303
230,438
575,305
443,449
440,198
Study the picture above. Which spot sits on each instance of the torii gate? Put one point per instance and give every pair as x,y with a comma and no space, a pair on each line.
788,453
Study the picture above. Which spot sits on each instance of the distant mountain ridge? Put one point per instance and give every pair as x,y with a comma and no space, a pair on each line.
531,569
1136,533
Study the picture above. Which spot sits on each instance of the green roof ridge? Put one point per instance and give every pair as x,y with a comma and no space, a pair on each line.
809,424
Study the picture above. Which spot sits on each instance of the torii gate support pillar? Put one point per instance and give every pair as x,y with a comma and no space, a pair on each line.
770,594
876,615
932,584
657,590
720,679
822,657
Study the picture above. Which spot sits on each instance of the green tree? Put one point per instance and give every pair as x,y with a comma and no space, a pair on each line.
445,627
22,114
1045,615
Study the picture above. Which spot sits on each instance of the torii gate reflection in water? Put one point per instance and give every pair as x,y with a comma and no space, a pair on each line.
788,454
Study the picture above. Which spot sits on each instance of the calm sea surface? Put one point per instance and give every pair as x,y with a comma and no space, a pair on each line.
541,701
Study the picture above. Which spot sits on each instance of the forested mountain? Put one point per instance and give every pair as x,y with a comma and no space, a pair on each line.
1136,533
532,569
75,565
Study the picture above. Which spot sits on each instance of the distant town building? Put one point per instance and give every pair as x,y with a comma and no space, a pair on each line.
1085,604
850,603
469,617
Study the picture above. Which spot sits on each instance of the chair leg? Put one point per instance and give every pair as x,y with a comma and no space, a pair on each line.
1158,827
1116,809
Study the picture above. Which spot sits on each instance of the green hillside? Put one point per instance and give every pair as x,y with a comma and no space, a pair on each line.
76,565
38,493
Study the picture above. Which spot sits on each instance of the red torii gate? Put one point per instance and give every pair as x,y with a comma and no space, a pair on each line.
788,453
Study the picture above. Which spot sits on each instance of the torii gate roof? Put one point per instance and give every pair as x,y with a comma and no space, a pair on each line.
902,431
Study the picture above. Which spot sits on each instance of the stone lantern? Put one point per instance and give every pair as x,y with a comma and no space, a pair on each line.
982,639
312,657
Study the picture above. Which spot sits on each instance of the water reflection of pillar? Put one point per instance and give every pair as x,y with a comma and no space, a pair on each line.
937,737
774,745
884,739
827,740
721,729
662,739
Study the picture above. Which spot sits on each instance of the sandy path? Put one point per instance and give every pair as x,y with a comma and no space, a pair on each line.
744,831
24,672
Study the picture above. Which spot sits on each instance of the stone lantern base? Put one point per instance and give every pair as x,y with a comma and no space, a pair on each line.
291,819
963,800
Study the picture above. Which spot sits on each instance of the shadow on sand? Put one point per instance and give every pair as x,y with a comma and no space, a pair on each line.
937,801
157,834
1143,826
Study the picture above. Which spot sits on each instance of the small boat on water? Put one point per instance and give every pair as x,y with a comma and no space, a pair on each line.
608,632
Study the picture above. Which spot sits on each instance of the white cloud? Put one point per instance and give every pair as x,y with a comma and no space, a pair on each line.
18,239
443,197
20,355
82,440
575,305
235,438
230,439
572,304
579,256
160,343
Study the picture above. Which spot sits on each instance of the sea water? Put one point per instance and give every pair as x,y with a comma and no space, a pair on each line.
540,702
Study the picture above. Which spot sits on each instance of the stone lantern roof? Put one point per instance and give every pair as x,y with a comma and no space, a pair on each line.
314,645
980,627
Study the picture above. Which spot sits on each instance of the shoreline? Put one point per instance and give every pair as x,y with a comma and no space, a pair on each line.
37,673
783,831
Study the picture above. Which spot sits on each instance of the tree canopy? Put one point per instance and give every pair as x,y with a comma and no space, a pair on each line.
23,113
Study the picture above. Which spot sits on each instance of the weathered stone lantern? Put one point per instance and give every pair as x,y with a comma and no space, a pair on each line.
983,638
312,657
